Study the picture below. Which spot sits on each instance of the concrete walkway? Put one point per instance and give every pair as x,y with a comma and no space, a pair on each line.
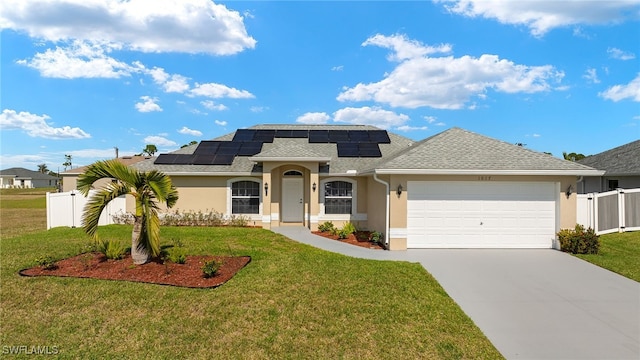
531,304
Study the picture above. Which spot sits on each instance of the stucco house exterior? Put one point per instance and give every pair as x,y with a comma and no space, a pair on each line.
24,178
456,189
70,177
621,167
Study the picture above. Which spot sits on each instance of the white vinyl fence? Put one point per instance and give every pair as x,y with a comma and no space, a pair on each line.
611,211
66,209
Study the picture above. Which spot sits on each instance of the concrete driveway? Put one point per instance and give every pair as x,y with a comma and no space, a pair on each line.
531,304
541,304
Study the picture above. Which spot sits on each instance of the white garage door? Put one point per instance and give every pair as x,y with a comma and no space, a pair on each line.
480,214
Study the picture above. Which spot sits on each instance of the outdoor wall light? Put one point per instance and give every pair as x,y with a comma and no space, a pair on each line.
313,187
399,190
266,189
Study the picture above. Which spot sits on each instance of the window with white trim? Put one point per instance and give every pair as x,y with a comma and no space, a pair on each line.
245,197
338,197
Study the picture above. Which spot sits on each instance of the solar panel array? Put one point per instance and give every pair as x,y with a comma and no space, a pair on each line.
248,142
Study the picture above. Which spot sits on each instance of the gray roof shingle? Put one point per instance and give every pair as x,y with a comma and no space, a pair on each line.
622,160
22,173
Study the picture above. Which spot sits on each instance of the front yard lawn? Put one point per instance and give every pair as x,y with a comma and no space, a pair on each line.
619,253
291,301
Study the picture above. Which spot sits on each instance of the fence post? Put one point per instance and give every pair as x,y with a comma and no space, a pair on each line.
621,211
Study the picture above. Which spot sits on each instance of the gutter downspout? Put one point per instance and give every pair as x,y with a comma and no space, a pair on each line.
386,222
580,180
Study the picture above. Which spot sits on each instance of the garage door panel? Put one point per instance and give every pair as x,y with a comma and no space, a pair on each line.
472,214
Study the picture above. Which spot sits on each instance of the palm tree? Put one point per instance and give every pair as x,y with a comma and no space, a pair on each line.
42,168
148,188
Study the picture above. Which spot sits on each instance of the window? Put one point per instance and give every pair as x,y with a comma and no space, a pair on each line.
245,197
613,184
338,197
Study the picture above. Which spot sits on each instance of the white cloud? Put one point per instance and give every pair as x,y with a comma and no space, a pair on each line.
259,109
36,126
407,128
405,48
616,53
170,83
220,123
159,141
148,104
213,106
543,16
621,92
78,60
434,121
447,82
370,116
217,91
186,131
592,76
315,118
189,26
337,68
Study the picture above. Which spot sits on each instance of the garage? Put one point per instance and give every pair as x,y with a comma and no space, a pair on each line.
482,214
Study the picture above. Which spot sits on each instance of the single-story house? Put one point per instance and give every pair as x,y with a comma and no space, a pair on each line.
70,177
24,178
456,189
621,167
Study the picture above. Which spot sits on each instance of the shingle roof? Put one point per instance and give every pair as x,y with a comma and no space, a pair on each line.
458,151
126,160
22,173
622,160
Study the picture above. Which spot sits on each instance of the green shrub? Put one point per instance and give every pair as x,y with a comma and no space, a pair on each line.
238,221
210,268
111,249
326,226
46,262
579,240
376,237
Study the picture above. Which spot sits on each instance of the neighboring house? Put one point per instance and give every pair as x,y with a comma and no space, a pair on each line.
621,167
24,178
70,177
456,189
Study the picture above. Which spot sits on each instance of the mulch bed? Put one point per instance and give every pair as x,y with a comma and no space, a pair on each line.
189,274
359,239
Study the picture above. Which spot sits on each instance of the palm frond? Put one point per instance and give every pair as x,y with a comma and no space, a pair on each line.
97,202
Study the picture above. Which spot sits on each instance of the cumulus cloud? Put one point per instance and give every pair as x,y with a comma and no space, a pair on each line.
79,60
407,128
592,76
405,48
220,123
148,104
258,109
543,16
37,126
159,141
315,118
213,106
616,53
169,82
188,26
434,121
621,92
186,131
446,82
217,91
375,116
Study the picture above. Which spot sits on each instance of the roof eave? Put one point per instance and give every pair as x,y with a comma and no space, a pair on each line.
287,158
210,173
486,172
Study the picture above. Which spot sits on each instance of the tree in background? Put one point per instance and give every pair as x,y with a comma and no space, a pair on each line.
42,168
150,149
572,156
67,162
193,142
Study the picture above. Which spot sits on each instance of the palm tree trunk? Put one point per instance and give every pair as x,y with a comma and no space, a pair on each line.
138,254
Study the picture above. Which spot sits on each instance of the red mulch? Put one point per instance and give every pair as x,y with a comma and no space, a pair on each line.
359,239
189,274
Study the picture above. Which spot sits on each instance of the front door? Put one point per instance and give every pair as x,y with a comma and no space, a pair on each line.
292,200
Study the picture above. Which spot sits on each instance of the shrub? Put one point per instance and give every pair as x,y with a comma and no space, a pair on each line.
376,237
111,249
46,262
178,257
238,221
579,240
210,268
326,226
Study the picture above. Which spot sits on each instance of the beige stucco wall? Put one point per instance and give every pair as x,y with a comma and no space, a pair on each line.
376,205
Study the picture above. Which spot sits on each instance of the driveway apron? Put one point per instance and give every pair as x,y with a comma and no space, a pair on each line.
531,304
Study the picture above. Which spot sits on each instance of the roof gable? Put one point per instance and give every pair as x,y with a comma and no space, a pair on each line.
622,160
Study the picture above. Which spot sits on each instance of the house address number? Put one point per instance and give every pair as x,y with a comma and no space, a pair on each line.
484,178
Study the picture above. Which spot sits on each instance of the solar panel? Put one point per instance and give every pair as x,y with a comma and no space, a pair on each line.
358,136
283,134
318,136
203,159
336,136
369,150
264,136
244,135
207,147
347,150
223,159
250,148
165,159
300,134
183,159
228,148
379,136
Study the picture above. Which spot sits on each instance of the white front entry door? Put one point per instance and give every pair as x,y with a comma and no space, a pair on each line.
292,200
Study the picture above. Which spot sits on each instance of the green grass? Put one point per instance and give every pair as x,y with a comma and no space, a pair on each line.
22,211
619,253
291,301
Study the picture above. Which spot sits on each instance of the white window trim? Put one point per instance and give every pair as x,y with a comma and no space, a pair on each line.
354,202
254,217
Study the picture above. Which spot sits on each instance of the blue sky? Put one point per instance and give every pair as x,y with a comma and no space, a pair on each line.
83,77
